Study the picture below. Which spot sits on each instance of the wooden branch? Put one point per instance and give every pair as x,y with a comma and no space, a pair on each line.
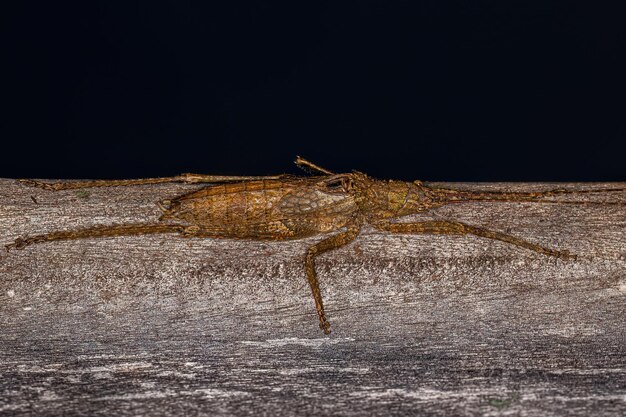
437,325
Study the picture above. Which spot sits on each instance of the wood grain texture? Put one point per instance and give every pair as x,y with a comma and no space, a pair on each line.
429,325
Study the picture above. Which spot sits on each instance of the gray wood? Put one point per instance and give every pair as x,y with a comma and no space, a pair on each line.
429,325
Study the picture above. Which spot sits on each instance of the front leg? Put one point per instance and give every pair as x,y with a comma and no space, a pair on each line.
446,227
325,245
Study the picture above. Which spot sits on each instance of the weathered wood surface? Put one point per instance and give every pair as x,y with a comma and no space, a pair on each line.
429,325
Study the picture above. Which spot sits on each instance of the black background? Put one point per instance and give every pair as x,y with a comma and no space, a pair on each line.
437,90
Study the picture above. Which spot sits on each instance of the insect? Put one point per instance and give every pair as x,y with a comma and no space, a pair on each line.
287,207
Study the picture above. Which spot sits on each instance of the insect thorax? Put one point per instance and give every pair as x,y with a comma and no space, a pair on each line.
378,199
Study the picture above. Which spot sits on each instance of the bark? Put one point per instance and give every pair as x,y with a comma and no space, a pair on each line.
430,325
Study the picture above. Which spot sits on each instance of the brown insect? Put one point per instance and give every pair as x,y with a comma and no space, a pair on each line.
289,207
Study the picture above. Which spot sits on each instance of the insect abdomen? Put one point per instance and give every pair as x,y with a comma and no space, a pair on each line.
233,210
263,209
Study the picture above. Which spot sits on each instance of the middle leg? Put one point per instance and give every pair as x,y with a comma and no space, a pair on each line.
325,245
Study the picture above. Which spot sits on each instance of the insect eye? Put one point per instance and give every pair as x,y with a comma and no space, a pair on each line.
334,185
337,185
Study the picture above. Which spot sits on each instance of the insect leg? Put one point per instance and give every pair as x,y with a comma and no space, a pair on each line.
325,245
184,178
100,231
310,166
444,227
